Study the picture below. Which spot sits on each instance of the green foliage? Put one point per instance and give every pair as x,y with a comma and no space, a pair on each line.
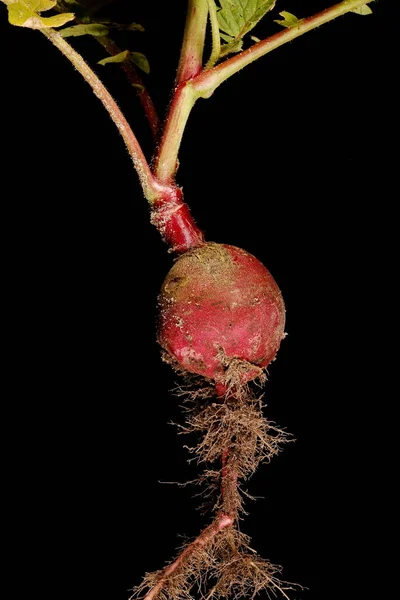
288,20
236,18
84,29
117,58
26,13
231,46
137,58
140,61
362,10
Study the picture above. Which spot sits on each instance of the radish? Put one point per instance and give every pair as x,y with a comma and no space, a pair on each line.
221,314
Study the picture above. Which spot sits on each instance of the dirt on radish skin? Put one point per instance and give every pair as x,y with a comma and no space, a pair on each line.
221,314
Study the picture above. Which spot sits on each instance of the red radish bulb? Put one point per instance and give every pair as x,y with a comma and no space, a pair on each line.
218,306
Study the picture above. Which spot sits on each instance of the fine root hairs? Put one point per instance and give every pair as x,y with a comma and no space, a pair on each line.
225,566
231,438
236,427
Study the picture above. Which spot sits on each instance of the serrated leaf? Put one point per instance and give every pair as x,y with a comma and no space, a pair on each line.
362,10
232,47
288,20
25,13
140,61
95,29
228,19
238,17
117,58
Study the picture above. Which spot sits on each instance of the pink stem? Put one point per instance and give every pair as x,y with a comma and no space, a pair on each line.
171,216
134,78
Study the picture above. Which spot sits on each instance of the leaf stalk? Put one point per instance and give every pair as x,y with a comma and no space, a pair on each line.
166,161
148,182
215,37
206,82
191,58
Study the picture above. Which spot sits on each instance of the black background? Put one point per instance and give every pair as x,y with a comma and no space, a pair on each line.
294,160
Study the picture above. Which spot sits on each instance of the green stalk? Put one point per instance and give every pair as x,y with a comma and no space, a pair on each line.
215,37
150,186
190,65
167,159
191,59
208,81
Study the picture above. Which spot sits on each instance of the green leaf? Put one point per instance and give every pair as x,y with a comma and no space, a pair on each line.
134,27
288,20
362,10
238,17
228,19
233,46
137,58
85,29
140,61
57,20
117,58
25,13
226,38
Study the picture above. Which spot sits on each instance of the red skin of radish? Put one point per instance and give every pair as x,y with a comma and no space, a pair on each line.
218,300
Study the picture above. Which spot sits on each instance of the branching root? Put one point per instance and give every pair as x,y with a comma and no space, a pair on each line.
231,438
225,567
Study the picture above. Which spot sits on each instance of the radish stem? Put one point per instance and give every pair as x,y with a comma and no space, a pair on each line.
151,187
169,212
190,64
191,59
181,105
208,80
216,40
135,80
131,74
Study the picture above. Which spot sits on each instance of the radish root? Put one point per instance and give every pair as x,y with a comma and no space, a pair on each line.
232,437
